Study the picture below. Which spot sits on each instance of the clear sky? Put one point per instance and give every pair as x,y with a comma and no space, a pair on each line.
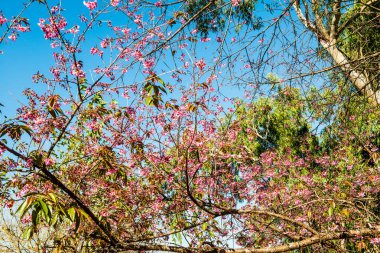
31,52
20,59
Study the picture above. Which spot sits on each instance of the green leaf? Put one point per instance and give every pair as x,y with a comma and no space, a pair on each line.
52,113
84,214
71,213
204,226
331,211
178,237
44,209
30,194
159,79
54,220
27,129
28,233
77,223
53,197
25,207
35,216
162,89
148,100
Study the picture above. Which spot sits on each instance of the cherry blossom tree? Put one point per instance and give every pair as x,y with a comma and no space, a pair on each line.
197,126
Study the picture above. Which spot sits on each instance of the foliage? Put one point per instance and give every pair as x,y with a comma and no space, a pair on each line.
360,39
137,138
221,13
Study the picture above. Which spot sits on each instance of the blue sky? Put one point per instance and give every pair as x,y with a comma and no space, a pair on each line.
31,52
20,59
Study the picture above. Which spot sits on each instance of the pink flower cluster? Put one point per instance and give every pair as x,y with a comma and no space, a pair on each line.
9,204
21,28
2,20
96,50
115,3
76,70
12,37
91,5
148,63
105,43
200,64
49,161
52,30
54,9
205,39
235,2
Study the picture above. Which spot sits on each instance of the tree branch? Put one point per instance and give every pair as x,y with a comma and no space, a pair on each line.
312,240
112,240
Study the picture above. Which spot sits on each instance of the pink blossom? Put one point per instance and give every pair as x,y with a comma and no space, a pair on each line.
211,78
148,63
9,204
138,21
114,3
23,28
54,9
205,39
49,161
98,70
39,121
200,64
94,50
2,150
62,23
12,37
105,43
184,45
54,44
73,30
76,71
91,5
158,4
23,191
56,73
137,55
26,219
126,31
2,20
51,30
235,2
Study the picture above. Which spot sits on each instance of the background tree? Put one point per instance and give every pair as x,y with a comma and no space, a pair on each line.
340,38
148,148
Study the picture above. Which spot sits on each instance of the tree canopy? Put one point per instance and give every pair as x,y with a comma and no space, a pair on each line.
194,126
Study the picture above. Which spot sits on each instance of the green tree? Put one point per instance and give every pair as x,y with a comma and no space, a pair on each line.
360,39
339,30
